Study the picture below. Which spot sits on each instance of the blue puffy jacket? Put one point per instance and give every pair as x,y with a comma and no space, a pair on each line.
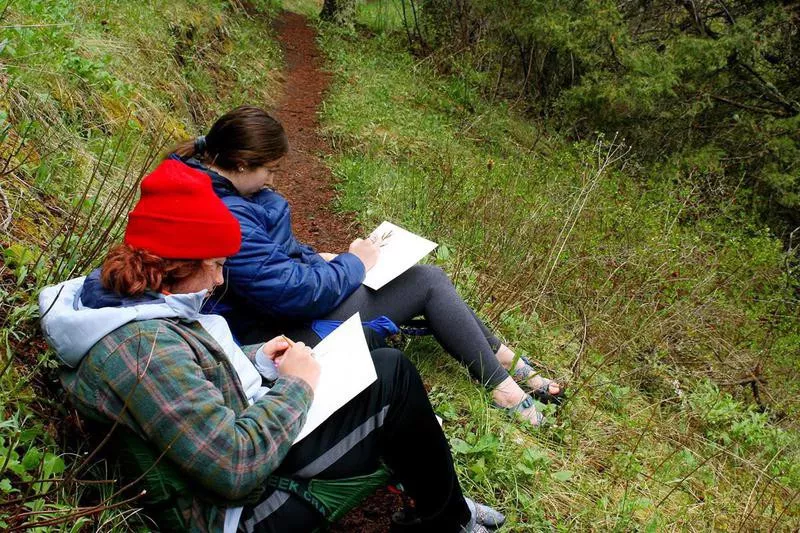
274,275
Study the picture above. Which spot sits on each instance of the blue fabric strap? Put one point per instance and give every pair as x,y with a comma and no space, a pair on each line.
382,325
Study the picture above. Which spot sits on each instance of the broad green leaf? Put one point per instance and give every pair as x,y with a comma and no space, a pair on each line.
53,465
561,475
32,459
460,446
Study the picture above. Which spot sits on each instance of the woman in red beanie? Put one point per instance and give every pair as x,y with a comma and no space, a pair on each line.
277,282
140,357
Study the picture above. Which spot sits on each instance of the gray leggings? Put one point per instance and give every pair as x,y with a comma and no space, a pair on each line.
426,290
421,290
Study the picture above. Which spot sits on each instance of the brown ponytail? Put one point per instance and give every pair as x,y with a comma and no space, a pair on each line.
245,137
132,271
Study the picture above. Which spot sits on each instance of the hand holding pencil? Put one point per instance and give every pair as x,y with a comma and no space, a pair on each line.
296,359
367,250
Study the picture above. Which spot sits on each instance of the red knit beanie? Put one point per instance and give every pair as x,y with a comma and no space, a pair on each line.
179,217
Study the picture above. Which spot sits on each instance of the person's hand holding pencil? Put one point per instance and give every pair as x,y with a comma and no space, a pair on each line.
293,359
367,250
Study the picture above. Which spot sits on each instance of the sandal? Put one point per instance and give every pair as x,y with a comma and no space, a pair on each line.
519,410
542,393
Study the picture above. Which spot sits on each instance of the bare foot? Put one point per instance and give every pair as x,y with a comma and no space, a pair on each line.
506,357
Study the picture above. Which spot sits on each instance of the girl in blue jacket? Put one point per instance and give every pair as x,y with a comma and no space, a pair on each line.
276,284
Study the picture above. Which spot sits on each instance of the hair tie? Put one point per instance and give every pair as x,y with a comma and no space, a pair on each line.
200,145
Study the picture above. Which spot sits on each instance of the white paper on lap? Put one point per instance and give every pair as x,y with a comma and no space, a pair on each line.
400,252
346,369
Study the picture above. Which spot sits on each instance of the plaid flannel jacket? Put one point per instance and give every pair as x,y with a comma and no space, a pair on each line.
184,396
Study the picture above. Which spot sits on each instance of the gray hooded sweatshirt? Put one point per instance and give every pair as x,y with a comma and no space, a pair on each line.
79,312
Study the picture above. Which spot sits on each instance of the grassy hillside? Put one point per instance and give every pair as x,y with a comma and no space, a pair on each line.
675,325
93,92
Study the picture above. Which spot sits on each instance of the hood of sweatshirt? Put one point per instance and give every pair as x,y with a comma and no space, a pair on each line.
79,312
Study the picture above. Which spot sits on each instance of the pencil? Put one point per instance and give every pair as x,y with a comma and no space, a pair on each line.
291,343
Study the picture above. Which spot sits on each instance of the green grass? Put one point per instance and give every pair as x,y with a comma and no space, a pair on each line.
307,8
652,306
82,75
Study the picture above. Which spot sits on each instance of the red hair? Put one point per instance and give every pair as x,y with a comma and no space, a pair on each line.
133,271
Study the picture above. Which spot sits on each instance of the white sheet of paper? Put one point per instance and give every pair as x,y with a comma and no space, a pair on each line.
346,369
400,251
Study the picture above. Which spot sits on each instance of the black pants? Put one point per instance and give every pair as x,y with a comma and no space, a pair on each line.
421,290
391,420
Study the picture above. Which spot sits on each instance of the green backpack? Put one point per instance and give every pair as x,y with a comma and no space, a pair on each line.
168,496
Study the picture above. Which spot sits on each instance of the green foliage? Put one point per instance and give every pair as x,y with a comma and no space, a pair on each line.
381,16
30,462
18,256
678,80
637,291
101,68
746,432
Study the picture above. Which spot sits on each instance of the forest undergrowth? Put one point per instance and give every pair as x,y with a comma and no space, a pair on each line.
674,324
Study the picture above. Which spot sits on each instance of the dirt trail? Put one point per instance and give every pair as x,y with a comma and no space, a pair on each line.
304,179
308,185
